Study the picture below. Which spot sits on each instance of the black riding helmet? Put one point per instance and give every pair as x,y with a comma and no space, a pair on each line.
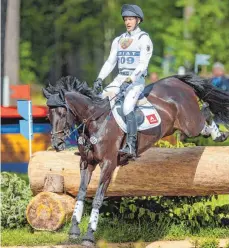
132,10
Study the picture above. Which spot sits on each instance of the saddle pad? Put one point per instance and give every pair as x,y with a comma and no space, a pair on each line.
151,116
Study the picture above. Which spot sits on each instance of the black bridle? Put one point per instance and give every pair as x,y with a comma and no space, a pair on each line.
67,131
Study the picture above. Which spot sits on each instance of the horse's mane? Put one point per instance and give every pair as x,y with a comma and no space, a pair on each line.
71,83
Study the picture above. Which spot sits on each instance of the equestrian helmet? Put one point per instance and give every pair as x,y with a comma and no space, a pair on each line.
132,10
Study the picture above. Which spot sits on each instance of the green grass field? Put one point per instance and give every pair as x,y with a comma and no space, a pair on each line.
114,230
120,231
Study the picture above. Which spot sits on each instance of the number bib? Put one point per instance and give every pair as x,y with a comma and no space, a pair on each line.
128,53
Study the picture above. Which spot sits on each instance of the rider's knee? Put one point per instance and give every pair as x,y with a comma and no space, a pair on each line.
127,108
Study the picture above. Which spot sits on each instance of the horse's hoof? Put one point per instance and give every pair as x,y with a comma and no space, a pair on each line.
73,236
74,232
89,239
88,244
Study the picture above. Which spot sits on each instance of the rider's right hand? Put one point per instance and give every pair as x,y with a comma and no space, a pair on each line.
98,84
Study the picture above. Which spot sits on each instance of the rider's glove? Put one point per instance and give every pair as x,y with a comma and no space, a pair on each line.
123,87
125,84
98,84
128,80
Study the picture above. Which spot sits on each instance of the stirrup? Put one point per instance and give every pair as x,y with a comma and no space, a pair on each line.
127,150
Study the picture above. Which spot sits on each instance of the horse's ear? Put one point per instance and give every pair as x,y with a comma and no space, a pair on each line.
51,87
46,93
62,95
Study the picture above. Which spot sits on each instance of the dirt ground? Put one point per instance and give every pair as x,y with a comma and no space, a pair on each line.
157,244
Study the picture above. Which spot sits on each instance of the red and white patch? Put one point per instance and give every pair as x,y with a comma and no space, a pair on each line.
152,119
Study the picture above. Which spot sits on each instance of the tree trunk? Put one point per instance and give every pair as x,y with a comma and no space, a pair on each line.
3,32
12,41
49,211
159,171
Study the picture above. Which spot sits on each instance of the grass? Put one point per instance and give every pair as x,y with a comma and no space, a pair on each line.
114,231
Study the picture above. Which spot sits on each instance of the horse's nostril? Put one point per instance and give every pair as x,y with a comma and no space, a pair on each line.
59,146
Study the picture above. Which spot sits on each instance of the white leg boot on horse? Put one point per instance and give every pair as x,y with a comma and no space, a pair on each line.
107,169
215,133
210,127
86,172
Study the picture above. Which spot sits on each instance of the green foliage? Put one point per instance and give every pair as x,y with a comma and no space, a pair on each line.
75,35
15,196
38,33
206,243
193,213
227,245
167,144
204,30
27,65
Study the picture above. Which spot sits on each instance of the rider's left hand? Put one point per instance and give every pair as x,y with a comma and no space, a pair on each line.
128,80
98,84
124,84
123,87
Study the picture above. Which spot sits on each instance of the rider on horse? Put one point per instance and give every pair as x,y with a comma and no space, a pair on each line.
132,50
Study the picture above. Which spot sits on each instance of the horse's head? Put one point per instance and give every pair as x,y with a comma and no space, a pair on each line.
68,95
60,118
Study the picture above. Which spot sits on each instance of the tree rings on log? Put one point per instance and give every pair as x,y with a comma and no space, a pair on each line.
49,211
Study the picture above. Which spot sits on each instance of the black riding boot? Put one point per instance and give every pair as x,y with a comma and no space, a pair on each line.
131,140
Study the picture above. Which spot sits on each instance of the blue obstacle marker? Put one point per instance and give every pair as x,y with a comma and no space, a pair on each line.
26,125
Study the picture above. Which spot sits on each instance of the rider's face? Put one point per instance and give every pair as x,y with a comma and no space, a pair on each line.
130,23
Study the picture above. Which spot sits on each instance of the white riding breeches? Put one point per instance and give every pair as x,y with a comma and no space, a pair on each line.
132,93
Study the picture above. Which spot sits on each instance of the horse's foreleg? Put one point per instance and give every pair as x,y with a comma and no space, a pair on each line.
106,173
85,172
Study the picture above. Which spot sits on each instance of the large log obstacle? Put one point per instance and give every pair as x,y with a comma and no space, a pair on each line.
159,171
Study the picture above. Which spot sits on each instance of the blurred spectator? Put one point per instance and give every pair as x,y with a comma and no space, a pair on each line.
153,77
219,79
181,70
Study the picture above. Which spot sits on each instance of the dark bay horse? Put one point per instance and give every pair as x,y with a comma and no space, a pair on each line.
72,102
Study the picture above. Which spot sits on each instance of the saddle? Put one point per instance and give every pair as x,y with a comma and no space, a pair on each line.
146,115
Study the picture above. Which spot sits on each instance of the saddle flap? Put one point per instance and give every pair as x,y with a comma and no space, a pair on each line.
146,115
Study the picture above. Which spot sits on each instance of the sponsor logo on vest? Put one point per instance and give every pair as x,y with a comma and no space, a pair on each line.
128,53
125,42
152,119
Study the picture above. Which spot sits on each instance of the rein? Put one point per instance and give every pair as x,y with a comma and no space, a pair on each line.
93,139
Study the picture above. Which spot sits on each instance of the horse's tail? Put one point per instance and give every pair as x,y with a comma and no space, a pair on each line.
218,100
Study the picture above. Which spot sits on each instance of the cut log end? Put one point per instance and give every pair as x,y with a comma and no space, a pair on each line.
49,211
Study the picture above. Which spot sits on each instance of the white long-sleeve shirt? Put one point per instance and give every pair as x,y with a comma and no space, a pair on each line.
132,51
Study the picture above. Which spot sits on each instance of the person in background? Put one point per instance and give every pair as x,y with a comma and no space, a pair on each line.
153,77
219,79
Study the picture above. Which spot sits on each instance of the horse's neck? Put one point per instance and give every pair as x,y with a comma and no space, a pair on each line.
93,114
99,113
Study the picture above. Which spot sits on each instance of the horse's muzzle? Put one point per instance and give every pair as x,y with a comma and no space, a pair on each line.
58,144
